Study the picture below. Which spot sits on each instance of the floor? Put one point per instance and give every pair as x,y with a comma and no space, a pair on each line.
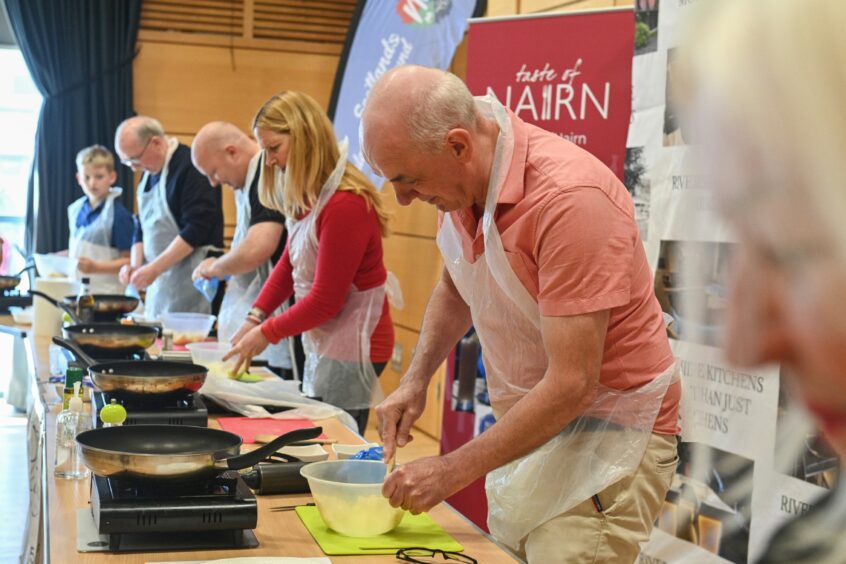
14,491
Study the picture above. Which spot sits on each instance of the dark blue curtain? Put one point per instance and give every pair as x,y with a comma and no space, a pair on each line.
79,53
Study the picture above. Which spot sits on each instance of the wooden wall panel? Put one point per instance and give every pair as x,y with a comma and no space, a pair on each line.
417,263
185,86
430,420
417,219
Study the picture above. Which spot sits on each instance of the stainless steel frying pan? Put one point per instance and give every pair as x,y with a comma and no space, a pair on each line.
171,452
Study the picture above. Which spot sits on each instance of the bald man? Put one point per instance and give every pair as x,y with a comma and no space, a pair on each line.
543,258
181,220
226,155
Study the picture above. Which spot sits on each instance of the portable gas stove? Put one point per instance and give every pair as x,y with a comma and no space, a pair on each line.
12,297
156,515
171,409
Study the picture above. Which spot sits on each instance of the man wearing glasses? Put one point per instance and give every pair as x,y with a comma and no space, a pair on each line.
180,219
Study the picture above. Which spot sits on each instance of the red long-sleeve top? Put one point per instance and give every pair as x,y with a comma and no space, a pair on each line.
349,253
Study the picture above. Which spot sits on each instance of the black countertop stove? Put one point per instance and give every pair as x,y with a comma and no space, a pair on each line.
151,516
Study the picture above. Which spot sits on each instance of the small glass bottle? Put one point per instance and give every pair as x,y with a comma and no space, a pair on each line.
85,302
69,424
72,376
167,339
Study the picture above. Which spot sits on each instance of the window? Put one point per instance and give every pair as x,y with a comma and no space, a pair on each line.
20,103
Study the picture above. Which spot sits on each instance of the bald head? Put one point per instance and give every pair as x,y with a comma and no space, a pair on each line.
418,105
222,152
420,129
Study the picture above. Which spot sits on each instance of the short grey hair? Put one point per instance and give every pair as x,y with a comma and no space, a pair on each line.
438,110
149,127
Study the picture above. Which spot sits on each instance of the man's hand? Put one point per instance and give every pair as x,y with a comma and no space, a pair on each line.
420,485
87,265
144,276
250,345
204,269
397,413
125,274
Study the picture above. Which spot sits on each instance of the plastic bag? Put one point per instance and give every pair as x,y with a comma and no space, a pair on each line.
208,287
248,399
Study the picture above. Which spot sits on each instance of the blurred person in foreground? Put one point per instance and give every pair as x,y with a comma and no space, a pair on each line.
771,83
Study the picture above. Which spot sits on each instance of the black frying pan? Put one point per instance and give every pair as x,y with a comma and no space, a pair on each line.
103,338
107,307
9,281
173,451
150,378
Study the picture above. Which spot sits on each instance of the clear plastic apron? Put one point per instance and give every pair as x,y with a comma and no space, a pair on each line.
94,241
243,289
598,448
337,365
173,289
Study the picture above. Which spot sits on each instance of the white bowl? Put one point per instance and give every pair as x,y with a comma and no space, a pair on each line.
211,356
306,453
344,452
187,327
55,266
348,495
21,315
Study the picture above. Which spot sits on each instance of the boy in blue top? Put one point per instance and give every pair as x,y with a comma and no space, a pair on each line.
100,226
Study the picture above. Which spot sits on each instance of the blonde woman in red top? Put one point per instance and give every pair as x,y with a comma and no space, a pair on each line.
333,262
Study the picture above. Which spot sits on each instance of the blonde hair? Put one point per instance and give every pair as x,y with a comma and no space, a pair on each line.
95,155
312,156
775,70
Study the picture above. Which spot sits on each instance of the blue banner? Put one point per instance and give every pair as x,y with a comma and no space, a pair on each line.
389,33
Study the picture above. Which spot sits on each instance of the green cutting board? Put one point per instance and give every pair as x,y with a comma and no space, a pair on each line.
414,531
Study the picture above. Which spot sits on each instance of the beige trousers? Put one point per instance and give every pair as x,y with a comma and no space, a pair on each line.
611,526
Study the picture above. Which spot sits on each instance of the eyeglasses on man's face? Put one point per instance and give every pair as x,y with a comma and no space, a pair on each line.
136,160
432,555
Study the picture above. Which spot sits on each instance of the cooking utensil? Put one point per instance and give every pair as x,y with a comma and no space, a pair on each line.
173,451
111,337
108,307
9,281
62,306
153,378
280,508
265,438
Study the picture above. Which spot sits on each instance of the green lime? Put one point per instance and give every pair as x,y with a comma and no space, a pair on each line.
113,413
66,318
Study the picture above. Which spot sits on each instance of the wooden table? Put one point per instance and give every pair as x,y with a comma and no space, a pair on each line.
279,534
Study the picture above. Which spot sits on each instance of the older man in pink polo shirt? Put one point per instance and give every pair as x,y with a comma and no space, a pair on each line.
543,258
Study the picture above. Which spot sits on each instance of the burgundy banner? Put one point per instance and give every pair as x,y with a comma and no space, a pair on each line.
570,74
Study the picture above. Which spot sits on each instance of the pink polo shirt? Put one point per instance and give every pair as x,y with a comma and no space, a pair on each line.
567,226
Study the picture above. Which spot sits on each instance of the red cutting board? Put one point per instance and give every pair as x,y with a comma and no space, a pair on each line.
248,428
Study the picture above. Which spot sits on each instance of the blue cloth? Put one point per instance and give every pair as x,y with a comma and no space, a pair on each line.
372,453
123,227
